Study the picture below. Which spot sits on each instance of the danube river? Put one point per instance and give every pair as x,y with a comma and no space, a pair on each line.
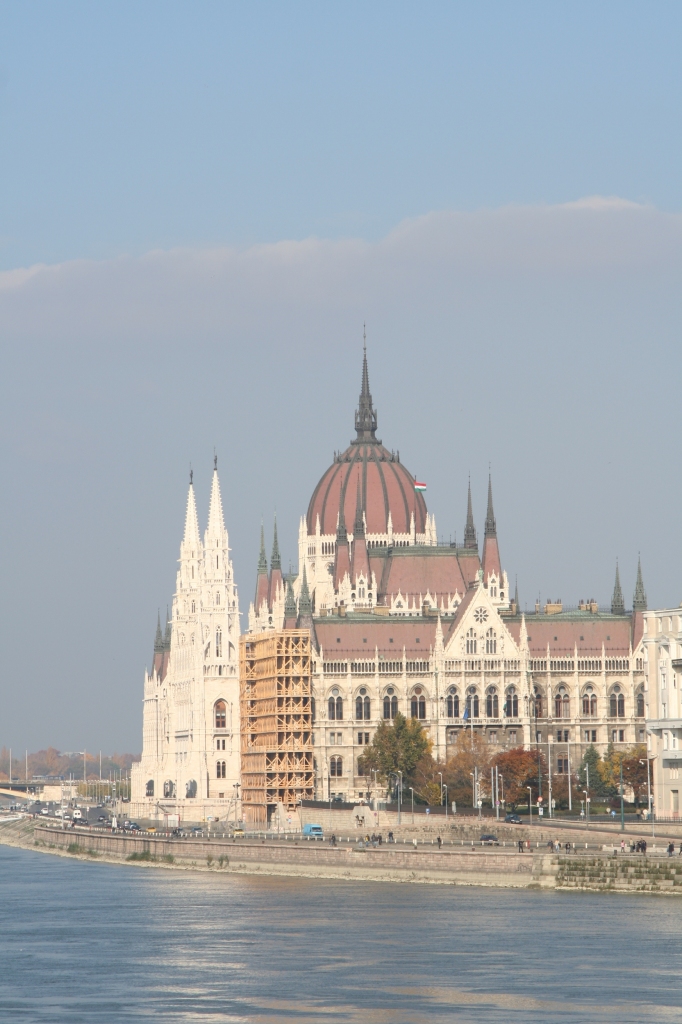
96,943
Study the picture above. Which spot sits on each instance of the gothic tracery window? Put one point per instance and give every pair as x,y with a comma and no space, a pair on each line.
220,714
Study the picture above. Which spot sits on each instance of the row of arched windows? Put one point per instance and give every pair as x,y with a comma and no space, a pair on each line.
490,642
362,708
335,709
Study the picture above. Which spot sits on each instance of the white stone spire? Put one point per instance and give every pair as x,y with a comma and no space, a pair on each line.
191,540
216,519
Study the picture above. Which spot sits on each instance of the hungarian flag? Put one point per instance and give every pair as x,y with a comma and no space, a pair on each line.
418,486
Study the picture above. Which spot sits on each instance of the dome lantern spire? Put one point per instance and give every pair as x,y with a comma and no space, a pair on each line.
365,417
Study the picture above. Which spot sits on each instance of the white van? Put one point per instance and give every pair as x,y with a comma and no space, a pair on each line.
77,815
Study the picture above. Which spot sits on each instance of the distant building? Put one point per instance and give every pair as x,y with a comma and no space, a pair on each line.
402,622
190,736
663,659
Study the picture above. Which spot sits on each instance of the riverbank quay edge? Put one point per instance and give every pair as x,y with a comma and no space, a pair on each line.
591,869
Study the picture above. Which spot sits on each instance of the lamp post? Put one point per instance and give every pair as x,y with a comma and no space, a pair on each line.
400,795
374,771
530,803
446,805
587,809
648,789
412,792
441,788
622,805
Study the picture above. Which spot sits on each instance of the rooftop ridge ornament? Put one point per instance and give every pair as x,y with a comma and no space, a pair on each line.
365,417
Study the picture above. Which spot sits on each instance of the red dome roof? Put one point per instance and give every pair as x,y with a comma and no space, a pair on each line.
385,484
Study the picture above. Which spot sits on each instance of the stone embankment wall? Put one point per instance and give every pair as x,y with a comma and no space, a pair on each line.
625,873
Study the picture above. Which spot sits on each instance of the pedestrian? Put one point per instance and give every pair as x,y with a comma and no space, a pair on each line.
671,849
380,839
568,848
520,845
622,846
440,842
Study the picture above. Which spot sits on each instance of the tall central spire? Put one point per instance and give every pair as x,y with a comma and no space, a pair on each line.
365,417
490,525
470,530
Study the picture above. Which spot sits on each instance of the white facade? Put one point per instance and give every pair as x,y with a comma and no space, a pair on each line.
190,752
663,659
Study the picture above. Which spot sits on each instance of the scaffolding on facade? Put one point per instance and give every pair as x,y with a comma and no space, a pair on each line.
276,722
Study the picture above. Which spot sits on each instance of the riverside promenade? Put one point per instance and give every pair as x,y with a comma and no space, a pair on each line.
455,863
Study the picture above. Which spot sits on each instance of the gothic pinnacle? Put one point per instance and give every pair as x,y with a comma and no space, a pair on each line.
276,560
262,558
490,526
470,530
304,604
158,639
617,602
290,602
359,526
365,417
639,601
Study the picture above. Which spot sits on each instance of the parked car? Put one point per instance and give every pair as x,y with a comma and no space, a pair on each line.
513,819
133,827
44,811
487,839
238,833
151,829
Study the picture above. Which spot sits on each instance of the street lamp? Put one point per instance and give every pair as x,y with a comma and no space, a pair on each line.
587,809
446,805
441,788
530,803
412,792
648,789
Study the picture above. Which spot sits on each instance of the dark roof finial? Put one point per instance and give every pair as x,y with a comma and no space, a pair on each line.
191,474
276,560
158,639
262,558
490,525
365,417
215,460
305,606
290,601
470,530
617,601
639,600
359,526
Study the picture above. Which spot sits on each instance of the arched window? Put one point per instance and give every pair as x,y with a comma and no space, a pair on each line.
452,705
191,789
472,705
194,607
220,770
491,642
390,704
339,709
471,641
621,705
336,767
332,709
220,714
511,708
593,705
538,705
558,706
358,708
640,705
217,598
218,642
418,704
367,707
567,707
168,788
150,788
586,704
613,706
492,708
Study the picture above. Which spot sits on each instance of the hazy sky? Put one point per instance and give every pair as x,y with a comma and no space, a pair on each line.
201,204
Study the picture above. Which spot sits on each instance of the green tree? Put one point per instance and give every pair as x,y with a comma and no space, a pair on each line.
590,765
397,746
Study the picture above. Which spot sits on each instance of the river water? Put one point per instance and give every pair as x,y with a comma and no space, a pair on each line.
94,943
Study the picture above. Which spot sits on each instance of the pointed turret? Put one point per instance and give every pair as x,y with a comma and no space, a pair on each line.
639,603
290,607
304,603
276,580
470,530
617,601
516,597
216,519
365,417
167,634
262,582
342,553
191,540
158,639
360,556
491,552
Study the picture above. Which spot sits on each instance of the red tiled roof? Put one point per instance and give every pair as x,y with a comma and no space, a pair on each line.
417,636
438,573
385,486
588,633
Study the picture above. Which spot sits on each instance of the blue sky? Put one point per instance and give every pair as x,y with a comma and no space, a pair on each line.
200,206
127,127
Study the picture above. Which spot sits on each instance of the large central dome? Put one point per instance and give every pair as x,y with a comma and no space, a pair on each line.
384,485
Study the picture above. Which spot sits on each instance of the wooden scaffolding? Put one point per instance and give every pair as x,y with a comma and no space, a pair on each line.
276,704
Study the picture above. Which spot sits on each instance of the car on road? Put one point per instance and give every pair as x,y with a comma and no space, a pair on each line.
487,839
238,833
313,831
513,819
132,826
102,817
151,829
44,811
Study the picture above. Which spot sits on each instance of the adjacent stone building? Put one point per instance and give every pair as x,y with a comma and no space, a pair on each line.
663,661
